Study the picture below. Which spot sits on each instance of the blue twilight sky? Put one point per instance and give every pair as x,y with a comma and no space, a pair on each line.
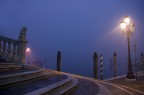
75,27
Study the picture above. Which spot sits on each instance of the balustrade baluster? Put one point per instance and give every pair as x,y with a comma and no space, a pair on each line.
4,49
14,52
9,51
1,49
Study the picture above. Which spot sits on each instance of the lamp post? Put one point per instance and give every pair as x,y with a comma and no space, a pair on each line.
28,51
128,28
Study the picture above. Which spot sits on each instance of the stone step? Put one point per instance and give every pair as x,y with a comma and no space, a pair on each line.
22,76
32,85
57,88
3,60
18,79
65,88
9,66
14,71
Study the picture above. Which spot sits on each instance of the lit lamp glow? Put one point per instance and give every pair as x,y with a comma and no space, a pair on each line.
127,20
28,51
128,28
123,26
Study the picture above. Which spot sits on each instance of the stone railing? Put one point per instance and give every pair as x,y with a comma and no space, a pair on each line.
13,50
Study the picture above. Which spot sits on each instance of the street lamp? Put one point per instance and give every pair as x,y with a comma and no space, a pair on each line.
127,28
28,51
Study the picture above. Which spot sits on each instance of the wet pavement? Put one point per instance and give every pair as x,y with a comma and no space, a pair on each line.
85,87
137,87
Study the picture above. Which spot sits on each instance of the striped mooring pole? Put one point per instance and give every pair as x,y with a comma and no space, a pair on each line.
101,67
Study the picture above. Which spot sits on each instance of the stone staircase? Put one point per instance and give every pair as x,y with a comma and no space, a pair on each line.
25,79
57,88
8,66
31,80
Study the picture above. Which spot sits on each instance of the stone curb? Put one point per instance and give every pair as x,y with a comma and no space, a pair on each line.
73,84
50,87
103,90
114,78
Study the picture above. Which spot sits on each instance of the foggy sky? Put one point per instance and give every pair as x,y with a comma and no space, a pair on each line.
77,28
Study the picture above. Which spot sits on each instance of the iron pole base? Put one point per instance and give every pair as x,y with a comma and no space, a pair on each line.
130,75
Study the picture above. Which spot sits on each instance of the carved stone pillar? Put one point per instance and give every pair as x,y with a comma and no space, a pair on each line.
21,52
9,51
21,48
